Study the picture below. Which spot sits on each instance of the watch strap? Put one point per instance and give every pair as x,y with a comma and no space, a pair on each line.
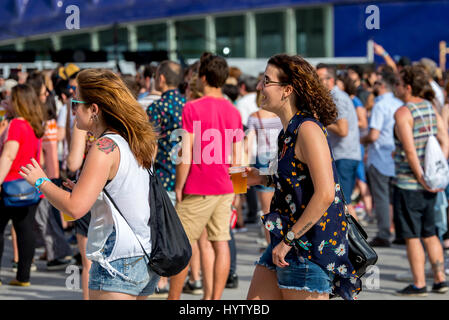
288,242
39,182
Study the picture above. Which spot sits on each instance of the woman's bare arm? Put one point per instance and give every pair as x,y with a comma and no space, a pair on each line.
101,164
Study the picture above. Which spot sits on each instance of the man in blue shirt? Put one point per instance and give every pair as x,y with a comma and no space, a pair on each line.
165,114
343,134
380,147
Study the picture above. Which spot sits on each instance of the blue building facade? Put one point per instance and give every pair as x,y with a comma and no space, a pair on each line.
246,28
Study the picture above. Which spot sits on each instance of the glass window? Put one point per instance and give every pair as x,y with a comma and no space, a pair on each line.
190,38
42,48
9,47
310,32
152,37
110,38
79,41
270,34
230,33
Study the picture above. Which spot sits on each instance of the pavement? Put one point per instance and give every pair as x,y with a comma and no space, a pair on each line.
378,284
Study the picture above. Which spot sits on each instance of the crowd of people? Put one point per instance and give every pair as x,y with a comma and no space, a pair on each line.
312,138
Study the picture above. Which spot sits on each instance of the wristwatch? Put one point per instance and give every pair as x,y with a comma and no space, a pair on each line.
39,182
289,238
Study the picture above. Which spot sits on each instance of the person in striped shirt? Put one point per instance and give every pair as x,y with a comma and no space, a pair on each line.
413,200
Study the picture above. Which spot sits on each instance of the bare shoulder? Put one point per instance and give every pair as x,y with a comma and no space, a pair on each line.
402,112
310,129
106,145
311,140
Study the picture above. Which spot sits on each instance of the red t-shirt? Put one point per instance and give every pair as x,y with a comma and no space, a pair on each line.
29,146
216,125
50,149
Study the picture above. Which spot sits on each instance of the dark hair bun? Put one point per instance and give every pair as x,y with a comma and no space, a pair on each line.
206,56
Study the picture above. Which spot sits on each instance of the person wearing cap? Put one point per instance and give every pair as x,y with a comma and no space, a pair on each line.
68,71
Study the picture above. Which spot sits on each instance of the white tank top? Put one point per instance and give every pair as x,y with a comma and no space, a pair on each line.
130,191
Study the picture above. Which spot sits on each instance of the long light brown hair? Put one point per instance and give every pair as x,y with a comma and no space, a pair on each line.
121,111
25,104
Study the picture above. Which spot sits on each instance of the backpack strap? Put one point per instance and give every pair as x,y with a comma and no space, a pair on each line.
116,207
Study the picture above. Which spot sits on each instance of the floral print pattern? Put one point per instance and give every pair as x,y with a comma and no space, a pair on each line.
165,114
326,243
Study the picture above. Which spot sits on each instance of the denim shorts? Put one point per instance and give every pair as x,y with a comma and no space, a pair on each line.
142,281
301,273
262,188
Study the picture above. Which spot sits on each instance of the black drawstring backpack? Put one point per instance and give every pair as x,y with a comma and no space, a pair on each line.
171,250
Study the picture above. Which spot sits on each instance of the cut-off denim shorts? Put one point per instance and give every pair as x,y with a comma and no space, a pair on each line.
301,274
142,281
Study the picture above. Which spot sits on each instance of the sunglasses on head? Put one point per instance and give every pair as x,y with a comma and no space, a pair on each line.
75,103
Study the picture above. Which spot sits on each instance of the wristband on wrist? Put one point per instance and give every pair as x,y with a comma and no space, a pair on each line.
384,54
288,242
39,183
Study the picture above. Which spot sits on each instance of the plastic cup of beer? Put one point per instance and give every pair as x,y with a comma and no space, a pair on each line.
67,217
239,179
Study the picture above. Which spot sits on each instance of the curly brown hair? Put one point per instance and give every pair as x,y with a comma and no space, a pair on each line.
311,96
416,76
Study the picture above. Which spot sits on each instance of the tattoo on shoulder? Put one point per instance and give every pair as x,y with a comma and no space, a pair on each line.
106,145
301,232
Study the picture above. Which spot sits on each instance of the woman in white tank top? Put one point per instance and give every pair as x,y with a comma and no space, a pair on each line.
118,162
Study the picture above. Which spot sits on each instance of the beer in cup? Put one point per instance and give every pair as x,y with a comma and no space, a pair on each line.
239,179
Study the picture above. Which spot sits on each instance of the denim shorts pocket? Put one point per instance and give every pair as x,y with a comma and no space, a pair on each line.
135,269
303,274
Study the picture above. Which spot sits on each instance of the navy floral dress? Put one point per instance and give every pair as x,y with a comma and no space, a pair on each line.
326,243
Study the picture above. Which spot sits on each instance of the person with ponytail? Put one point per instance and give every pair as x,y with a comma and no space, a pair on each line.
307,257
116,165
20,142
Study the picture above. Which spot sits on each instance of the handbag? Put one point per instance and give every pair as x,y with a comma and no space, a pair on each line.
19,193
171,250
360,252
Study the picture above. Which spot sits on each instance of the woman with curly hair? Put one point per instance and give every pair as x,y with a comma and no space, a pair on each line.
307,257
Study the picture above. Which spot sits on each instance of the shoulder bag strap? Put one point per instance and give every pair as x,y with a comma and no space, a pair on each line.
429,130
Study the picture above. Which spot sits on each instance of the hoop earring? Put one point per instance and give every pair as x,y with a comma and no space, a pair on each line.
94,117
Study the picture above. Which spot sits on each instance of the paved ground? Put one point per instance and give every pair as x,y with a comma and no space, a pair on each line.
51,285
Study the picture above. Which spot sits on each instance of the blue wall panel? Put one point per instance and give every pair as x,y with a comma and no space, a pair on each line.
407,28
44,16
